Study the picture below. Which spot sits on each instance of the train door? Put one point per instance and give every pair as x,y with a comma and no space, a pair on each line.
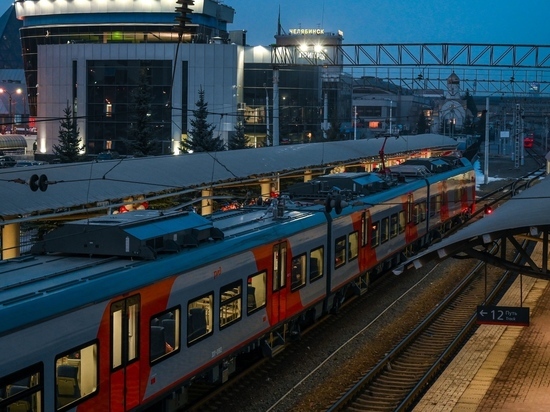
125,354
278,298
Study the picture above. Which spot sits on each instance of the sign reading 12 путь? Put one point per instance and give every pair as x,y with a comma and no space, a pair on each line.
502,315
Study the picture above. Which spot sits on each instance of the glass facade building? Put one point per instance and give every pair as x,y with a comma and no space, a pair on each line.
109,100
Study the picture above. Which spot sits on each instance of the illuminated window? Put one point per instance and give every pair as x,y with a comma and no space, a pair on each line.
26,386
384,230
108,108
402,221
374,234
340,252
353,245
256,292
298,271
393,225
316,260
164,335
76,374
199,318
279,266
230,303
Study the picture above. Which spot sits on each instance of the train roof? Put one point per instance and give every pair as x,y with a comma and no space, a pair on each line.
36,287
141,234
369,183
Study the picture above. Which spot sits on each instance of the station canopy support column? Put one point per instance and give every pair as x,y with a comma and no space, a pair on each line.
11,237
266,187
206,202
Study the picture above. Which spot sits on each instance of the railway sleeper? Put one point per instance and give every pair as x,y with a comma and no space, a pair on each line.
401,371
434,345
417,362
410,370
373,403
390,390
393,379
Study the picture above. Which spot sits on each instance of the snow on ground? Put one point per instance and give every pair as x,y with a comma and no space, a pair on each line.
480,176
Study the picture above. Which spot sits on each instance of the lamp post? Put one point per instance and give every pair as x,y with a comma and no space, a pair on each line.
18,91
267,131
391,114
391,111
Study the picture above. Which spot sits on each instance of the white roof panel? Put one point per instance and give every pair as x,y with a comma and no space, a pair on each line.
80,184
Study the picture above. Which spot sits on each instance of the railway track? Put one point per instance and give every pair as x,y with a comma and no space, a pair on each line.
396,382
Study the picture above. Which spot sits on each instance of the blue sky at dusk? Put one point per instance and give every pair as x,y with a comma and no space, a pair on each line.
396,21
400,21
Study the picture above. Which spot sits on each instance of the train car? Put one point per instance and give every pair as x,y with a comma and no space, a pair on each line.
529,140
123,312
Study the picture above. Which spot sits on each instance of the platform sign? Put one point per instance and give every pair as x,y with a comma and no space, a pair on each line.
502,315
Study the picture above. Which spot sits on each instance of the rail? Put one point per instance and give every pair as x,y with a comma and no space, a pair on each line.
410,387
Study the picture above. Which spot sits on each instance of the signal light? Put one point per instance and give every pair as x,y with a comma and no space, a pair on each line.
38,182
487,209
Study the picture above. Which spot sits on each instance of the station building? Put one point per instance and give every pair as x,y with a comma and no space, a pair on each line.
89,56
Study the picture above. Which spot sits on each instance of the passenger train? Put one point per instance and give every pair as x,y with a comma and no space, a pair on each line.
123,312
529,140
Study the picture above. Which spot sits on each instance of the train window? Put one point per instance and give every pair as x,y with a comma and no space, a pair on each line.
402,221
456,195
231,298
279,266
22,390
353,245
199,318
364,229
384,229
374,234
340,252
438,203
298,271
316,259
433,206
393,225
416,214
76,374
164,334
422,211
124,331
256,292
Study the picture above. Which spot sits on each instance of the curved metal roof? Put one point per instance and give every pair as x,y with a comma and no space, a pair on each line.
92,184
12,141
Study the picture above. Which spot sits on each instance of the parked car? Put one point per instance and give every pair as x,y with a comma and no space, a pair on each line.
7,161
108,155
26,163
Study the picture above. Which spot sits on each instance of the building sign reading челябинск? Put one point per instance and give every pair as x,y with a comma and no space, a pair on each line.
317,32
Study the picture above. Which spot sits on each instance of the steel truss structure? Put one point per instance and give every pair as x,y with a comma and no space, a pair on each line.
483,69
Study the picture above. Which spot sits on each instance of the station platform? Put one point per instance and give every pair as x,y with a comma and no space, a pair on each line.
501,368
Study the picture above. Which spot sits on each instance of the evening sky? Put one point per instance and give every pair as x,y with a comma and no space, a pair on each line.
396,21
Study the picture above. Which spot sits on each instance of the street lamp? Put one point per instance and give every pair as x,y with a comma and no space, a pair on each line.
391,110
18,91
